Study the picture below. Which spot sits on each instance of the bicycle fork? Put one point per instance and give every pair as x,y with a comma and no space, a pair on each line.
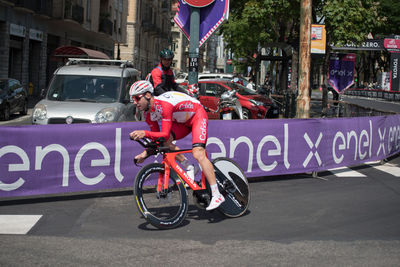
163,189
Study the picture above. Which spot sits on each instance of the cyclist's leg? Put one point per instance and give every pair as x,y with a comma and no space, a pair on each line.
178,131
199,125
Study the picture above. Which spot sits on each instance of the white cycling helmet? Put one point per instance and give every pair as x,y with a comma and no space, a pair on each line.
140,88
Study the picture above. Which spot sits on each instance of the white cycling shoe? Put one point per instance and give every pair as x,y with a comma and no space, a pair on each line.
215,202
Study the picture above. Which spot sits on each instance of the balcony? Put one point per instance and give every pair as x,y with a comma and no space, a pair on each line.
106,26
42,7
165,6
73,12
148,26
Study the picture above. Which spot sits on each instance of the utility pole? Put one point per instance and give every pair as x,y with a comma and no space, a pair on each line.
303,99
194,45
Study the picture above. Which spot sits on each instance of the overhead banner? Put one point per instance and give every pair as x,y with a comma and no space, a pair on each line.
211,17
341,71
59,159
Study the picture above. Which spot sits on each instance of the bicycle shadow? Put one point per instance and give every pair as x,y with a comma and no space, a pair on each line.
214,216
194,213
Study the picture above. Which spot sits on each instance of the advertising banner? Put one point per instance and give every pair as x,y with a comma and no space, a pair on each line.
211,17
394,71
58,159
318,39
341,71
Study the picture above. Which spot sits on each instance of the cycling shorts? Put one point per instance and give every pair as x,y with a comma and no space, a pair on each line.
197,125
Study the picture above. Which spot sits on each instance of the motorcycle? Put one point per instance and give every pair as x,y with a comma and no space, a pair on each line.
229,106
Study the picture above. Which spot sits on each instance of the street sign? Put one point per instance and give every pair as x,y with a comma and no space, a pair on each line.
211,17
229,61
199,3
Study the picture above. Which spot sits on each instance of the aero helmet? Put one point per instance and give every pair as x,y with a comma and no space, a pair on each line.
167,54
140,88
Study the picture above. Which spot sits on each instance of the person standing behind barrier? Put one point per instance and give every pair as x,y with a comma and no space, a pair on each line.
162,76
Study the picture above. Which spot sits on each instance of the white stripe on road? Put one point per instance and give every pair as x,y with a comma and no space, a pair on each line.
389,168
346,172
17,224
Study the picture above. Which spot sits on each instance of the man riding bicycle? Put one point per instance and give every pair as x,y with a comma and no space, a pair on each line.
179,114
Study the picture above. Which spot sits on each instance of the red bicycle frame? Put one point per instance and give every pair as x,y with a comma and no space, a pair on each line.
169,162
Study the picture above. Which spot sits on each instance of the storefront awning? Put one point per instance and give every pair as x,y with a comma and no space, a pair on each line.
74,51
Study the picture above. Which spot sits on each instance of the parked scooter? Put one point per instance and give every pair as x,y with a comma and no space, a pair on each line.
229,106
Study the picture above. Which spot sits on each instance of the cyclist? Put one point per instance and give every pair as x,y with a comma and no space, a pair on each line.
179,114
162,76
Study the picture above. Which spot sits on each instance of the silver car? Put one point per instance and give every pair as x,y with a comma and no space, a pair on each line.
88,91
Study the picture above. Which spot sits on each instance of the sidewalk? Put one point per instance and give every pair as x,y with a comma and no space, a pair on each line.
352,106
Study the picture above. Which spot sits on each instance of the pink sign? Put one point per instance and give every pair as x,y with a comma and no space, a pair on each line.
392,44
199,3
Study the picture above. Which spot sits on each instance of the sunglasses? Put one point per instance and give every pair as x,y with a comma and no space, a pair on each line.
137,98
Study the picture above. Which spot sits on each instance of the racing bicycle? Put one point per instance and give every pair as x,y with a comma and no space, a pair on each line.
160,188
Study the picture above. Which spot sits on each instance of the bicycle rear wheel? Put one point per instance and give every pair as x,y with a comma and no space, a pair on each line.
233,185
165,209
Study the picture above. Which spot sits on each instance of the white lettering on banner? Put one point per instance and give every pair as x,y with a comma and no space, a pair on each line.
393,138
286,147
42,152
311,154
342,146
105,161
382,142
235,142
218,142
271,152
24,166
243,139
345,143
395,64
117,165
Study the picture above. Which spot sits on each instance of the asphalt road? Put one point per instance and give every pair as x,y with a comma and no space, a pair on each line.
333,220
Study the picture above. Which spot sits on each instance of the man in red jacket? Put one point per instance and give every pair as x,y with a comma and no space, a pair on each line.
162,76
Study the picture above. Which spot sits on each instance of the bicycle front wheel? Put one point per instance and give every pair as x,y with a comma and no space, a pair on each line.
165,209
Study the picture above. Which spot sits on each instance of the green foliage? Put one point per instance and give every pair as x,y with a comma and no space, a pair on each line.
349,20
254,22
388,11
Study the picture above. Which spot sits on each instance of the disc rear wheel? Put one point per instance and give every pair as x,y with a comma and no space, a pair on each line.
233,184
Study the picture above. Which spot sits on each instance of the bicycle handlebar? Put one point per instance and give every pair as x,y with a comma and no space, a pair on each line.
152,147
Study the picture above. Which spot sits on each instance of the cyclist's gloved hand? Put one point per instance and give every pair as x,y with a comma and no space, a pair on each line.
193,90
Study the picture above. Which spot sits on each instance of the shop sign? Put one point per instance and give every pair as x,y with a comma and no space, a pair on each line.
17,30
36,35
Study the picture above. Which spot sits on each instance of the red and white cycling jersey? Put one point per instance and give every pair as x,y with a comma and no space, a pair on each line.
179,112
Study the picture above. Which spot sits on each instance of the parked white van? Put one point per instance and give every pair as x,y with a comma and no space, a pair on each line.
88,91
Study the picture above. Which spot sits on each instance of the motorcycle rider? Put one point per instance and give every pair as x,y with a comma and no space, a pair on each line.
162,76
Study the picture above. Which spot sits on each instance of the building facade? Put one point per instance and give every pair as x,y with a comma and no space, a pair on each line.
30,31
148,32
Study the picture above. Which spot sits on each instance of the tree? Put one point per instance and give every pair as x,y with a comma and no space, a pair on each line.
255,22
346,21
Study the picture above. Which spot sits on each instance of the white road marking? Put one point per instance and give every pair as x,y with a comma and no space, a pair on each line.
346,172
17,224
389,168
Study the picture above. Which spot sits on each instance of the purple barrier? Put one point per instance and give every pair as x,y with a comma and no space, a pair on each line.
54,159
